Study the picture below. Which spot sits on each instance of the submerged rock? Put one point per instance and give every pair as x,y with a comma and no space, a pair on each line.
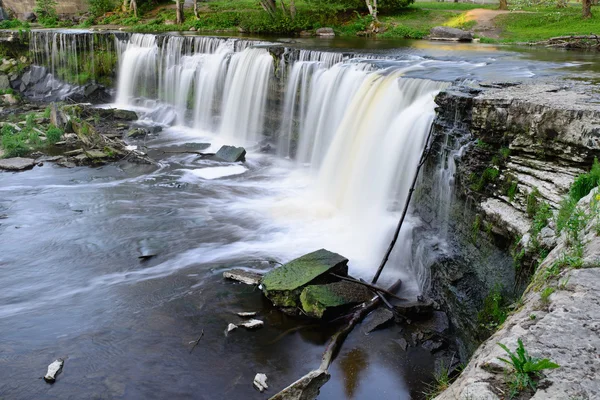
231,154
252,324
377,319
247,277
17,163
316,299
283,285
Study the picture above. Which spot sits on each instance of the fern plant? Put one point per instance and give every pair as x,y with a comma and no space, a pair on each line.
526,368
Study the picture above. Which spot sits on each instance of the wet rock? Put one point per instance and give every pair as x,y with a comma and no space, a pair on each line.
402,343
437,323
148,249
137,133
231,327
4,82
53,370
283,285
231,154
377,319
247,314
73,152
325,32
65,163
97,154
17,163
316,299
305,388
432,345
260,382
414,309
447,33
252,324
239,275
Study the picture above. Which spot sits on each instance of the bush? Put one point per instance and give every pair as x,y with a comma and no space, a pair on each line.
53,134
584,183
46,12
101,7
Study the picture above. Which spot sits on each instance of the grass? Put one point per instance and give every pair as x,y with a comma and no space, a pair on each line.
494,312
17,143
545,23
526,369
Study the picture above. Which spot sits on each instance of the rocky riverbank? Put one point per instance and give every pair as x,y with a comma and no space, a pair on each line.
515,151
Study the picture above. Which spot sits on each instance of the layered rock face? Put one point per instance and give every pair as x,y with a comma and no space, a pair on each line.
502,151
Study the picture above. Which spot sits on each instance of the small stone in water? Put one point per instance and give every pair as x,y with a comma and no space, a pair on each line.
244,314
252,324
53,370
231,327
260,382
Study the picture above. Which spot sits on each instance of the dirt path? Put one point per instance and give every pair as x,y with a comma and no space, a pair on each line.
485,21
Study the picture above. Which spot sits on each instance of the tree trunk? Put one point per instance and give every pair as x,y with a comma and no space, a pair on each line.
283,7
196,9
503,5
587,8
125,6
133,7
269,7
293,9
179,12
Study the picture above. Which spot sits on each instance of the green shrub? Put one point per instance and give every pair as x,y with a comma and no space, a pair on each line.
101,7
533,202
13,142
53,134
46,12
494,311
545,295
541,218
526,368
584,183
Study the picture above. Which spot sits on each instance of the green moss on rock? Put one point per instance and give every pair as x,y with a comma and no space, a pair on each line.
284,284
316,299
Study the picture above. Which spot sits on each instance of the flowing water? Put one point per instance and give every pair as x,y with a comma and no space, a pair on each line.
346,131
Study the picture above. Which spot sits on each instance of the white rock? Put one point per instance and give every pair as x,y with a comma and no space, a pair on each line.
247,314
53,370
260,382
252,324
231,327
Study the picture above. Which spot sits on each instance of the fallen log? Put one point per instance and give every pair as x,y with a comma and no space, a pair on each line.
308,386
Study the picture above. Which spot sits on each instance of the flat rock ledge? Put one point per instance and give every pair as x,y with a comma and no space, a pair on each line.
567,331
17,163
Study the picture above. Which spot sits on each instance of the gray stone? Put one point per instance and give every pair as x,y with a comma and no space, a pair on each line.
137,133
17,163
402,343
10,99
26,78
240,275
4,82
325,32
231,154
447,33
413,309
377,319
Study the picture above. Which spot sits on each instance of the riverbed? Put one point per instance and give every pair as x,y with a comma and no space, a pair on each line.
74,286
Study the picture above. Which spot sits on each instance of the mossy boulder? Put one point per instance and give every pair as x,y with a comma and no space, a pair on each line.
283,285
316,299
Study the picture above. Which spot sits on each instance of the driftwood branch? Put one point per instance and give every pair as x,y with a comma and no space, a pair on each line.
308,386
197,341
370,286
386,257
572,41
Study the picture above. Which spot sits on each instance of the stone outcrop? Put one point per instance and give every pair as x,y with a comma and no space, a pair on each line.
559,320
451,34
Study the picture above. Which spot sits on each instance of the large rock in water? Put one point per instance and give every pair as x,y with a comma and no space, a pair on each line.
283,285
447,33
17,163
231,153
316,299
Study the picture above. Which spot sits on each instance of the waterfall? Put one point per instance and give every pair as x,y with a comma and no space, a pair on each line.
355,127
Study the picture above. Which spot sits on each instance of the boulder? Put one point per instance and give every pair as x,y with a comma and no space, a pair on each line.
378,318
283,285
26,78
316,299
325,32
29,17
231,154
452,34
9,99
137,133
17,163
4,82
